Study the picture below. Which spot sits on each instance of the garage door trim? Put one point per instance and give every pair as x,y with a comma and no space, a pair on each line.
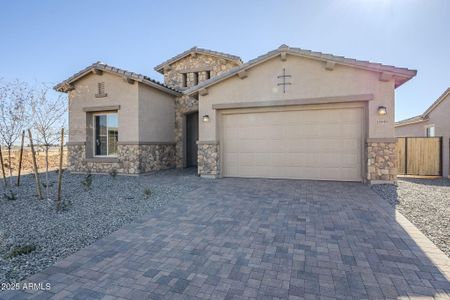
346,105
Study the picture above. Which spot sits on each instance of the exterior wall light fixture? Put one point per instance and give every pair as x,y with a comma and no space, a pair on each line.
205,118
382,110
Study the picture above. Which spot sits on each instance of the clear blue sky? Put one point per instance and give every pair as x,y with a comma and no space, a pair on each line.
47,41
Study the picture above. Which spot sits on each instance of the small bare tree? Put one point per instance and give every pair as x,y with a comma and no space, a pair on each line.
48,115
13,115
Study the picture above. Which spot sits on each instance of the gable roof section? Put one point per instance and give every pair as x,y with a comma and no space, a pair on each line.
159,68
423,117
401,74
66,85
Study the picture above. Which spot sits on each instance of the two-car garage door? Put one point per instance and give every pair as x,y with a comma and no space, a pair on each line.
321,144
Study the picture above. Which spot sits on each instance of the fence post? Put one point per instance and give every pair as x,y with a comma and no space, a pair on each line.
20,157
406,156
441,155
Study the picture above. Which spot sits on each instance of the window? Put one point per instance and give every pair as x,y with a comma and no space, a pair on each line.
184,79
430,131
106,134
195,78
208,75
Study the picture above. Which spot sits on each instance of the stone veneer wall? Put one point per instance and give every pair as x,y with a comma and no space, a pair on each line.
199,63
208,159
131,159
157,157
183,105
382,161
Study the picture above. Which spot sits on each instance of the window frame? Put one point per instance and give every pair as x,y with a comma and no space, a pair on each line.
428,129
94,139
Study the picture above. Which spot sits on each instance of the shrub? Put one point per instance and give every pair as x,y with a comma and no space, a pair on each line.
49,185
65,205
113,173
21,250
10,195
147,192
87,181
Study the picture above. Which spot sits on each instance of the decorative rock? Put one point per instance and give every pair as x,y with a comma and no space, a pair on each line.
200,62
382,161
131,159
184,105
208,159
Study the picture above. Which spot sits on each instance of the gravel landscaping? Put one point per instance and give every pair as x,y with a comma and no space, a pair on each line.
33,235
424,202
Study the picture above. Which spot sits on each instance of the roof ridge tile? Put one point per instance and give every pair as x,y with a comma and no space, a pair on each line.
199,50
106,67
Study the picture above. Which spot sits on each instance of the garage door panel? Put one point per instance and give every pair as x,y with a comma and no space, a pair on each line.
231,133
254,159
302,173
330,130
280,160
260,133
330,160
301,159
232,121
328,145
350,160
291,131
276,146
350,145
252,146
350,131
351,116
232,171
232,146
230,159
255,171
307,144
350,173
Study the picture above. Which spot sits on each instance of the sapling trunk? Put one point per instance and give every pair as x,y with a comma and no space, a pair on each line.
3,167
61,153
10,166
46,171
20,158
36,172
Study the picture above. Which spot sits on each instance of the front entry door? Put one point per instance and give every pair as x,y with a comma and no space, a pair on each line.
191,139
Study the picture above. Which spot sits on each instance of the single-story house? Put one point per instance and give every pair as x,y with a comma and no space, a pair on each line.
435,121
290,113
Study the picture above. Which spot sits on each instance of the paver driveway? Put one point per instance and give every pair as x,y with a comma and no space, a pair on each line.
256,238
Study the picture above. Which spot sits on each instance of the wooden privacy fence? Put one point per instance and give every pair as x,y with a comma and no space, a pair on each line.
420,156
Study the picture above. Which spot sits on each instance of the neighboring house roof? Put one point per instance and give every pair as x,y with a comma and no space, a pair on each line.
159,68
423,117
401,74
66,85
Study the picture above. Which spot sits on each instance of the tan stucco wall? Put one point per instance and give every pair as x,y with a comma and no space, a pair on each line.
309,79
156,115
119,93
440,117
417,129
